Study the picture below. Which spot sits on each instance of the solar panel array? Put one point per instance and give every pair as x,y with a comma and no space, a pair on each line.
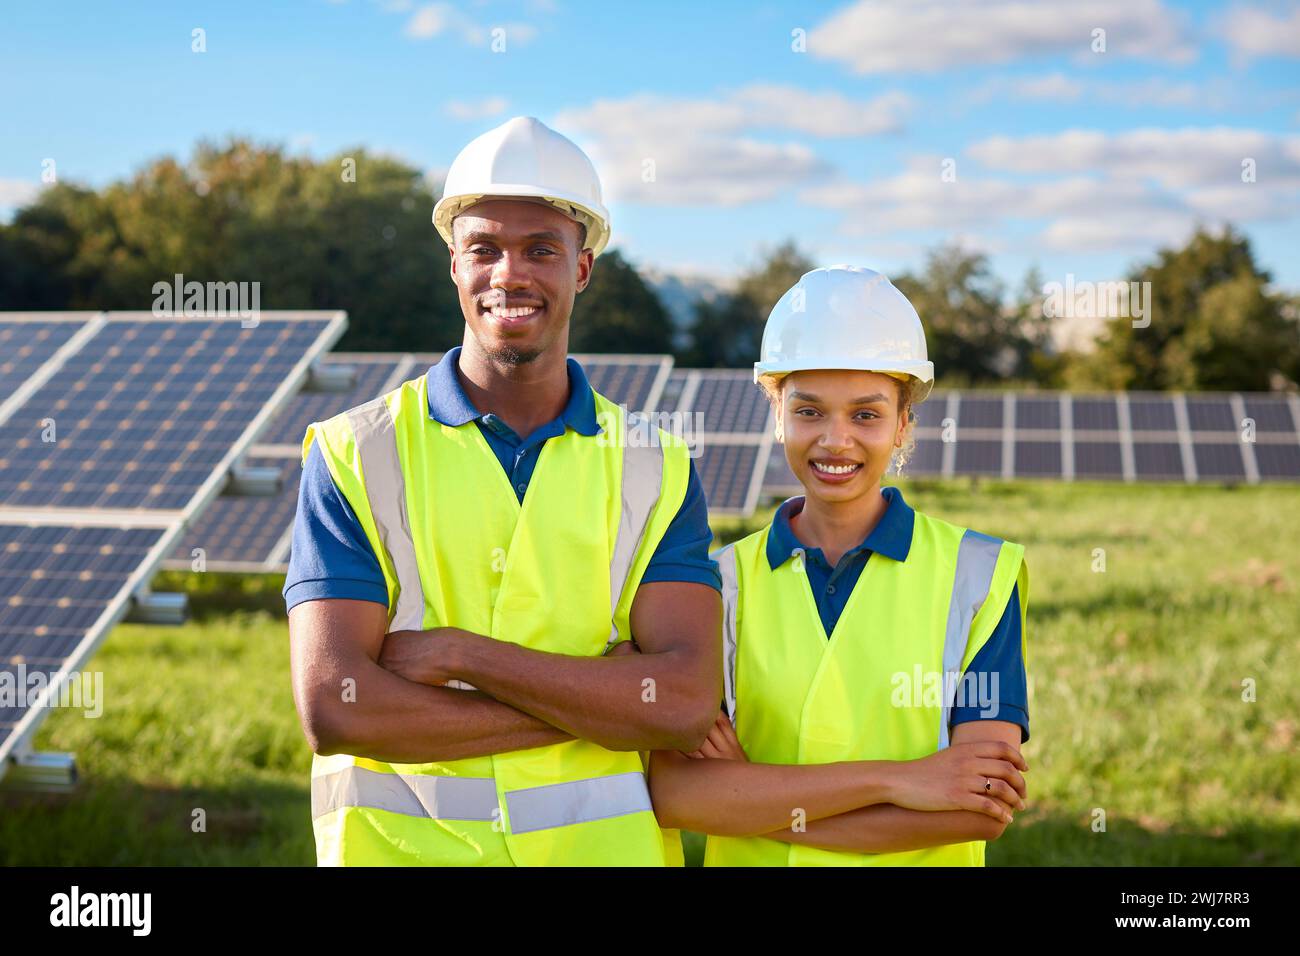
116,430
250,534
1125,436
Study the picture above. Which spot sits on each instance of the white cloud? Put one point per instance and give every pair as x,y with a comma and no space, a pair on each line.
1111,192
1253,31
18,192
825,114
1176,158
1060,88
481,109
435,19
703,151
893,36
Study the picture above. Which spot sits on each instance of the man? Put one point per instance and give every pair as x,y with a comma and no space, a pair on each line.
453,586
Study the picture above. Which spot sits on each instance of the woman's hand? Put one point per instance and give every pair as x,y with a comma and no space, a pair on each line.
721,743
983,776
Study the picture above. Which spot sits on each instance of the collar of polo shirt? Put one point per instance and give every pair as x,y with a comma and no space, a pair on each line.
892,535
449,405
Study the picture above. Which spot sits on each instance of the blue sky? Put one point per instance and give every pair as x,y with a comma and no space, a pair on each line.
1079,161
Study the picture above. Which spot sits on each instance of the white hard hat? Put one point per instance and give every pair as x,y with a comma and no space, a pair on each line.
846,317
525,158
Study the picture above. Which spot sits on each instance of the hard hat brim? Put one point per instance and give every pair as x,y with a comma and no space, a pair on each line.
922,372
449,207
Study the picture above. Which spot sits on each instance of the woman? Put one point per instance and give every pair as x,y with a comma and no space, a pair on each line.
873,655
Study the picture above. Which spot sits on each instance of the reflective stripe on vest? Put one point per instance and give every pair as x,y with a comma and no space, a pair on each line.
977,557
726,559
643,475
475,798
386,490
414,795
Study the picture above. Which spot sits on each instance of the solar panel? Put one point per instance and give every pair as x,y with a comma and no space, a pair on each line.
727,475
979,411
978,456
1206,414
1152,414
1098,459
1157,459
56,582
28,343
731,402
1269,414
127,399
372,374
634,381
140,416
245,533
778,479
1278,462
1218,460
930,413
1034,412
1093,413
926,457
1038,459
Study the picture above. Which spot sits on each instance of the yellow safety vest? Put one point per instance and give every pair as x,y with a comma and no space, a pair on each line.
556,573
881,688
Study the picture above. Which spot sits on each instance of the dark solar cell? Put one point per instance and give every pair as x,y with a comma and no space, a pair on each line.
926,459
725,472
932,411
304,408
1270,415
1092,413
1038,412
1157,460
1098,459
731,404
670,400
1278,461
26,346
778,473
164,401
978,457
623,383
1218,460
56,581
979,411
1211,415
1151,415
1038,459
244,529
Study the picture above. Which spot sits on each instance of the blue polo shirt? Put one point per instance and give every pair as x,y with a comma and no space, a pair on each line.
892,537
332,558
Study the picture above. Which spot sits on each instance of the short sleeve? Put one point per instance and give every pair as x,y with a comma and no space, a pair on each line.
330,556
683,552
996,677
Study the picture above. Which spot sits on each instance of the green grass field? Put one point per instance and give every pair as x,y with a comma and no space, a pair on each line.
1135,701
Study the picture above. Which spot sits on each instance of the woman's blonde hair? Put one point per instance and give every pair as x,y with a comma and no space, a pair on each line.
773,386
